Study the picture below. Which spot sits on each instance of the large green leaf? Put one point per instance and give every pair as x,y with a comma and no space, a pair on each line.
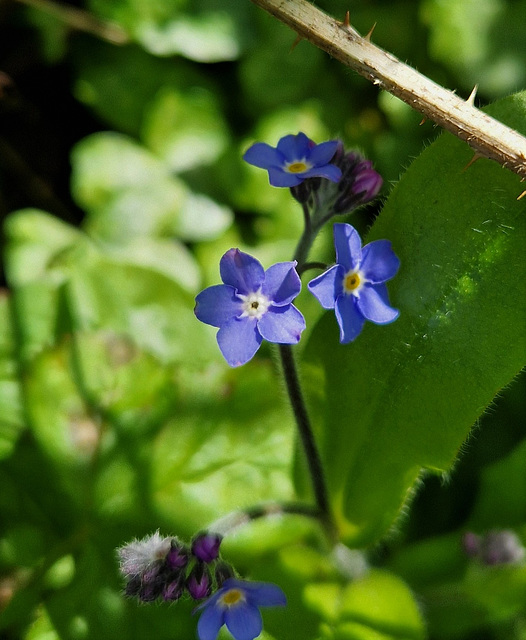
404,397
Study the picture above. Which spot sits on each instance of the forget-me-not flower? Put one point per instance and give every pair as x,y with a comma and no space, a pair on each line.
295,159
355,286
236,605
251,305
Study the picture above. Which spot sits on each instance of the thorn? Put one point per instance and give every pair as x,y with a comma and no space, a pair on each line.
471,99
370,33
522,195
475,157
295,43
347,20
423,121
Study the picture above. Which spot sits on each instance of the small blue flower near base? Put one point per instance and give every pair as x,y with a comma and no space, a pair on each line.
355,286
236,606
251,306
295,159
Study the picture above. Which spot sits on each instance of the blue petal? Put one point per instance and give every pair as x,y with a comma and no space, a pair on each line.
239,339
241,271
348,246
244,621
282,325
349,318
373,303
323,153
329,171
264,594
379,262
218,304
264,156
279,178
295,147
327,287
211,620
282,283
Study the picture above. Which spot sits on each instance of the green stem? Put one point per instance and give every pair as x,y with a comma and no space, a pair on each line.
306,434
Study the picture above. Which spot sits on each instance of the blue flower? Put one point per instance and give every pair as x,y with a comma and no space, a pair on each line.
355,286
294,159
251,305
236,605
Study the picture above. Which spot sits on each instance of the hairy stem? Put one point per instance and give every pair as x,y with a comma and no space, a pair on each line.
485,135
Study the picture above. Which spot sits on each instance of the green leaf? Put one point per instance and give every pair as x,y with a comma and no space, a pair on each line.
228,446
404,396
498,505
377,606
129,193
481,42
205,32
186,130
11,415
118,83
208,37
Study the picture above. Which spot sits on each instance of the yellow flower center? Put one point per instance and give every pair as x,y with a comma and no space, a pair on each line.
298,167
232,597
351,282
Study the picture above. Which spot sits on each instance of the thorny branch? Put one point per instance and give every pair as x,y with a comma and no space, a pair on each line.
486,136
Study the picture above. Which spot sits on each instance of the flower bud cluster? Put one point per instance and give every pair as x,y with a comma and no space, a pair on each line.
165,568
359,184
494,548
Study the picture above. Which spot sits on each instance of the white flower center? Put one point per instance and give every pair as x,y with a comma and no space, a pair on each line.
254,305
353,281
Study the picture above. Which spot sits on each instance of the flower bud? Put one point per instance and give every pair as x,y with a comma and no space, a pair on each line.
199,583
150,591
359,184
173,590
205,546
177,556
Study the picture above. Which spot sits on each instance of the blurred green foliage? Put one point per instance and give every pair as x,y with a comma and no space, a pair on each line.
118,415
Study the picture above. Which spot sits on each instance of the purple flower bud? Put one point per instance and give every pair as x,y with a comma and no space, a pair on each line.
177,557
359,184
173,590
199,583
368,184
205,546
